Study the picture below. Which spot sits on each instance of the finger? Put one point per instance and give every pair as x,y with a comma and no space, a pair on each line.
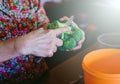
44,46
64,18
53,46
38,33
43,53
81,41
51,50
58,42
50,45
59,31
49,53
83,32
55,49
44,40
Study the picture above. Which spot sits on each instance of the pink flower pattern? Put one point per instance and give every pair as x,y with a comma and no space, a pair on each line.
18,17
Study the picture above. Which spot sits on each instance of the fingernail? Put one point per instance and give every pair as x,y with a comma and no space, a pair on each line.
60,43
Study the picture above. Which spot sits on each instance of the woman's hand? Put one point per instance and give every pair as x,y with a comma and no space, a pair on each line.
40,42
79,45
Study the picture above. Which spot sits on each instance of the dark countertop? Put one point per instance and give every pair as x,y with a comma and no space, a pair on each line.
69,71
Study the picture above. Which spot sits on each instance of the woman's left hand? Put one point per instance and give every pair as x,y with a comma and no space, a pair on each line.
79,45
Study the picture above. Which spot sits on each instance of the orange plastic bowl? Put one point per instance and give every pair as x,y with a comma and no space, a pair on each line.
102,67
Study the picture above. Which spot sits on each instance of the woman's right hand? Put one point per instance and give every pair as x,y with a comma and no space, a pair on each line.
40,42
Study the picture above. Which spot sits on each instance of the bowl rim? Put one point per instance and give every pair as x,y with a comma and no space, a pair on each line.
97,73
107,44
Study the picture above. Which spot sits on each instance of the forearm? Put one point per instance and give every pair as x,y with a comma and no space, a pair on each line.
7,50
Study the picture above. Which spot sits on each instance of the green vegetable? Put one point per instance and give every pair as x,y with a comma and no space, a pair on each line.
69,44
56,24
70,38
77,34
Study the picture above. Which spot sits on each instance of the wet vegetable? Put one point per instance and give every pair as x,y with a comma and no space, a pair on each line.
70,38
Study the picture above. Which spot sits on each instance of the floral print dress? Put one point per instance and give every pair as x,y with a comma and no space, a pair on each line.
18,17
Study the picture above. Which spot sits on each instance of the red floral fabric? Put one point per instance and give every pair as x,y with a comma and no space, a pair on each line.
18,17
